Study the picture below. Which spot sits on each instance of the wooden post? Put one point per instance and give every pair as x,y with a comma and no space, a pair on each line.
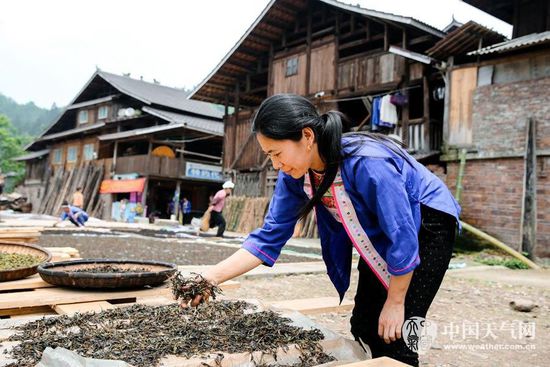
427,125
336,53
404,39
115,153
308,50
405,112
226,104
270,71
447,104
529,207
386,38
149,150
236,124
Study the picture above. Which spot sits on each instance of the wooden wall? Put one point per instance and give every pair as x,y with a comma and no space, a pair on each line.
368,72
289,84
322,68
240,144
321,75
64,146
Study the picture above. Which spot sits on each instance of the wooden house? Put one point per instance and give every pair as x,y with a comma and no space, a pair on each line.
122,138
497,120
340,56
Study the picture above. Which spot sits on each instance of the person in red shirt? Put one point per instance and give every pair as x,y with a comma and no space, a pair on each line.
216,207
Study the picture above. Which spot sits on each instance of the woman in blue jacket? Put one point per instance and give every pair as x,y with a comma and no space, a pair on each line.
368,194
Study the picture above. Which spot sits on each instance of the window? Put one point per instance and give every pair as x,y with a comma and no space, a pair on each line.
88,152
56,156
83,117
292,66
71,154
102,112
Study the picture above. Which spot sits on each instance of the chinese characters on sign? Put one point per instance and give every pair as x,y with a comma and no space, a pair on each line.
204,171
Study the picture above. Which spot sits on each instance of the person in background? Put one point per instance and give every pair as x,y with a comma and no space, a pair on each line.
74,214
216,206
185,207
78,198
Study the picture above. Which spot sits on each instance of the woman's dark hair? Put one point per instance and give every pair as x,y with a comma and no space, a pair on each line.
284,116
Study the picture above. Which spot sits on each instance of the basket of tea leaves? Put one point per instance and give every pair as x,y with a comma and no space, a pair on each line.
19,260
106,273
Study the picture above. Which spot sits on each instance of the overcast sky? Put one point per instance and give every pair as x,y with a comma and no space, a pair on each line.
50,48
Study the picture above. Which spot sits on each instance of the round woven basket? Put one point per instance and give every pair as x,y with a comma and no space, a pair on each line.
63,273
21,248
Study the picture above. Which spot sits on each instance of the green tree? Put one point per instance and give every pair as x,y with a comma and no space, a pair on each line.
11,145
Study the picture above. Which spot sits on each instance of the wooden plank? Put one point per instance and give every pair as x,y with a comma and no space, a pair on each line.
32,282
315,305
230,284
58,296
27,311
377,362
11,302
72,308
463,85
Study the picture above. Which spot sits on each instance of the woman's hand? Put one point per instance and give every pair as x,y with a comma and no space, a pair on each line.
237,264
200,298
391,321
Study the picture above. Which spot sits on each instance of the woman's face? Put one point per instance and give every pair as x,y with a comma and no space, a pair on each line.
292,157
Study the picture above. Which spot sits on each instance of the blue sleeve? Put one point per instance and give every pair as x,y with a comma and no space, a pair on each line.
386,195
288,198
63,216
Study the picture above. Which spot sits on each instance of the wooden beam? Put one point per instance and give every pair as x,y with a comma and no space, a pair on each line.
404,39
420,39
360,42
315,305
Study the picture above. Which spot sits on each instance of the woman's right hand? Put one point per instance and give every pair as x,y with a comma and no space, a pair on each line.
237,264
200,298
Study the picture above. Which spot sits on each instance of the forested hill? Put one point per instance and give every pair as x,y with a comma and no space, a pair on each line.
28,119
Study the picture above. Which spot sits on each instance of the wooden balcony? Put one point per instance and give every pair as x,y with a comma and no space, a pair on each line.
149,165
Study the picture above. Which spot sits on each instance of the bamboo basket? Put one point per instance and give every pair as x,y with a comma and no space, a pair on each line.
21,248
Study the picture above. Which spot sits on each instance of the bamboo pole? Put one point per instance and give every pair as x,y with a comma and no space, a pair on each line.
501,245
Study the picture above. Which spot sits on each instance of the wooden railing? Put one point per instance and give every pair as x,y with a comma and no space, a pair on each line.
417,136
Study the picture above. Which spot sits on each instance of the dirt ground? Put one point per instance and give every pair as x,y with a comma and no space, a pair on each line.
475,324
469,314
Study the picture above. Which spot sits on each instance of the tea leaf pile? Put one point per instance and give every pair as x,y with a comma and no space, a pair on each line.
141,335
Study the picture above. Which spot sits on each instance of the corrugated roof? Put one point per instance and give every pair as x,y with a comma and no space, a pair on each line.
463,39
152,93
71,131
33,155
190,122
140,132
91,102
514,44
387,16
176,121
